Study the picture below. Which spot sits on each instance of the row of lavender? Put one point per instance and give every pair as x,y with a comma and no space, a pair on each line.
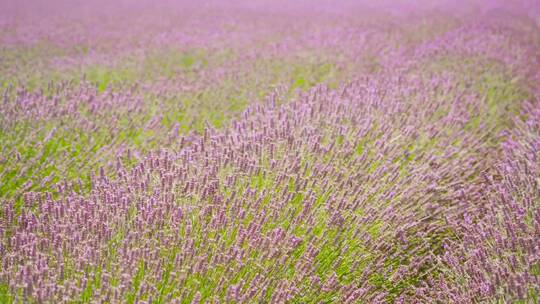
496,254
416,182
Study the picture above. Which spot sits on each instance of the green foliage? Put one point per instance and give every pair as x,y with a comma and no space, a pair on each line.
131,297
5,294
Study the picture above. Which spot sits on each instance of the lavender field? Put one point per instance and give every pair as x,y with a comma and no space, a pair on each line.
270,151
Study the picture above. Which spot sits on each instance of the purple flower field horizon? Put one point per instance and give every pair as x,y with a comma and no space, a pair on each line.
270,151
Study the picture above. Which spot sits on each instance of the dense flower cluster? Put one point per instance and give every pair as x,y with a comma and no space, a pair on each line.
497,253
250,160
